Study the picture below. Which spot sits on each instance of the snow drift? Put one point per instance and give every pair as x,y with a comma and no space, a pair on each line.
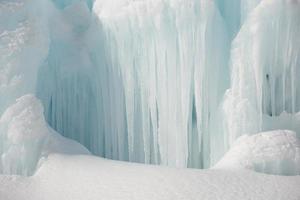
274,152
89,178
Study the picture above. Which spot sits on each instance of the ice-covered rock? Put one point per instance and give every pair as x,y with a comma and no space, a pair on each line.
273,152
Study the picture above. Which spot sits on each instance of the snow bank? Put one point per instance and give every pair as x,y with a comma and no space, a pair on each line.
88,178
275,152
25,137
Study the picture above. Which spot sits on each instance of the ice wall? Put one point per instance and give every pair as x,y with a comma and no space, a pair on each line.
25,41
138,85
76,85
23,46
66,78
171,56
235,12
265,62
62,4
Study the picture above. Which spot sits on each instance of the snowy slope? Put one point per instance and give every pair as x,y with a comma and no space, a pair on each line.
88,178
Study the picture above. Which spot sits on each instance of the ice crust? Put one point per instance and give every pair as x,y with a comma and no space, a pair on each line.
163,82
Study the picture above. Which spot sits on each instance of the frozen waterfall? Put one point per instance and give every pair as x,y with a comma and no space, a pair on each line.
168,56
171,82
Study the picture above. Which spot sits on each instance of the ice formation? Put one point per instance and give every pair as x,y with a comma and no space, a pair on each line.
23,46
265,60
160,57
146,80
26,139
275,152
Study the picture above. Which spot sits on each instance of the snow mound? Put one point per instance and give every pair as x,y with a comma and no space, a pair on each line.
25,138
273,152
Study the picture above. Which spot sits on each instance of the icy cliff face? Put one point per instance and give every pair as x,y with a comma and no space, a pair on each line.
145,80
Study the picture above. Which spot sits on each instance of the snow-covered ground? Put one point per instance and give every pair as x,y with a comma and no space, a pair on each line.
89,178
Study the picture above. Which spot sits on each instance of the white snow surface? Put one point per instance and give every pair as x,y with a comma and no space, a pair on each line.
82,177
